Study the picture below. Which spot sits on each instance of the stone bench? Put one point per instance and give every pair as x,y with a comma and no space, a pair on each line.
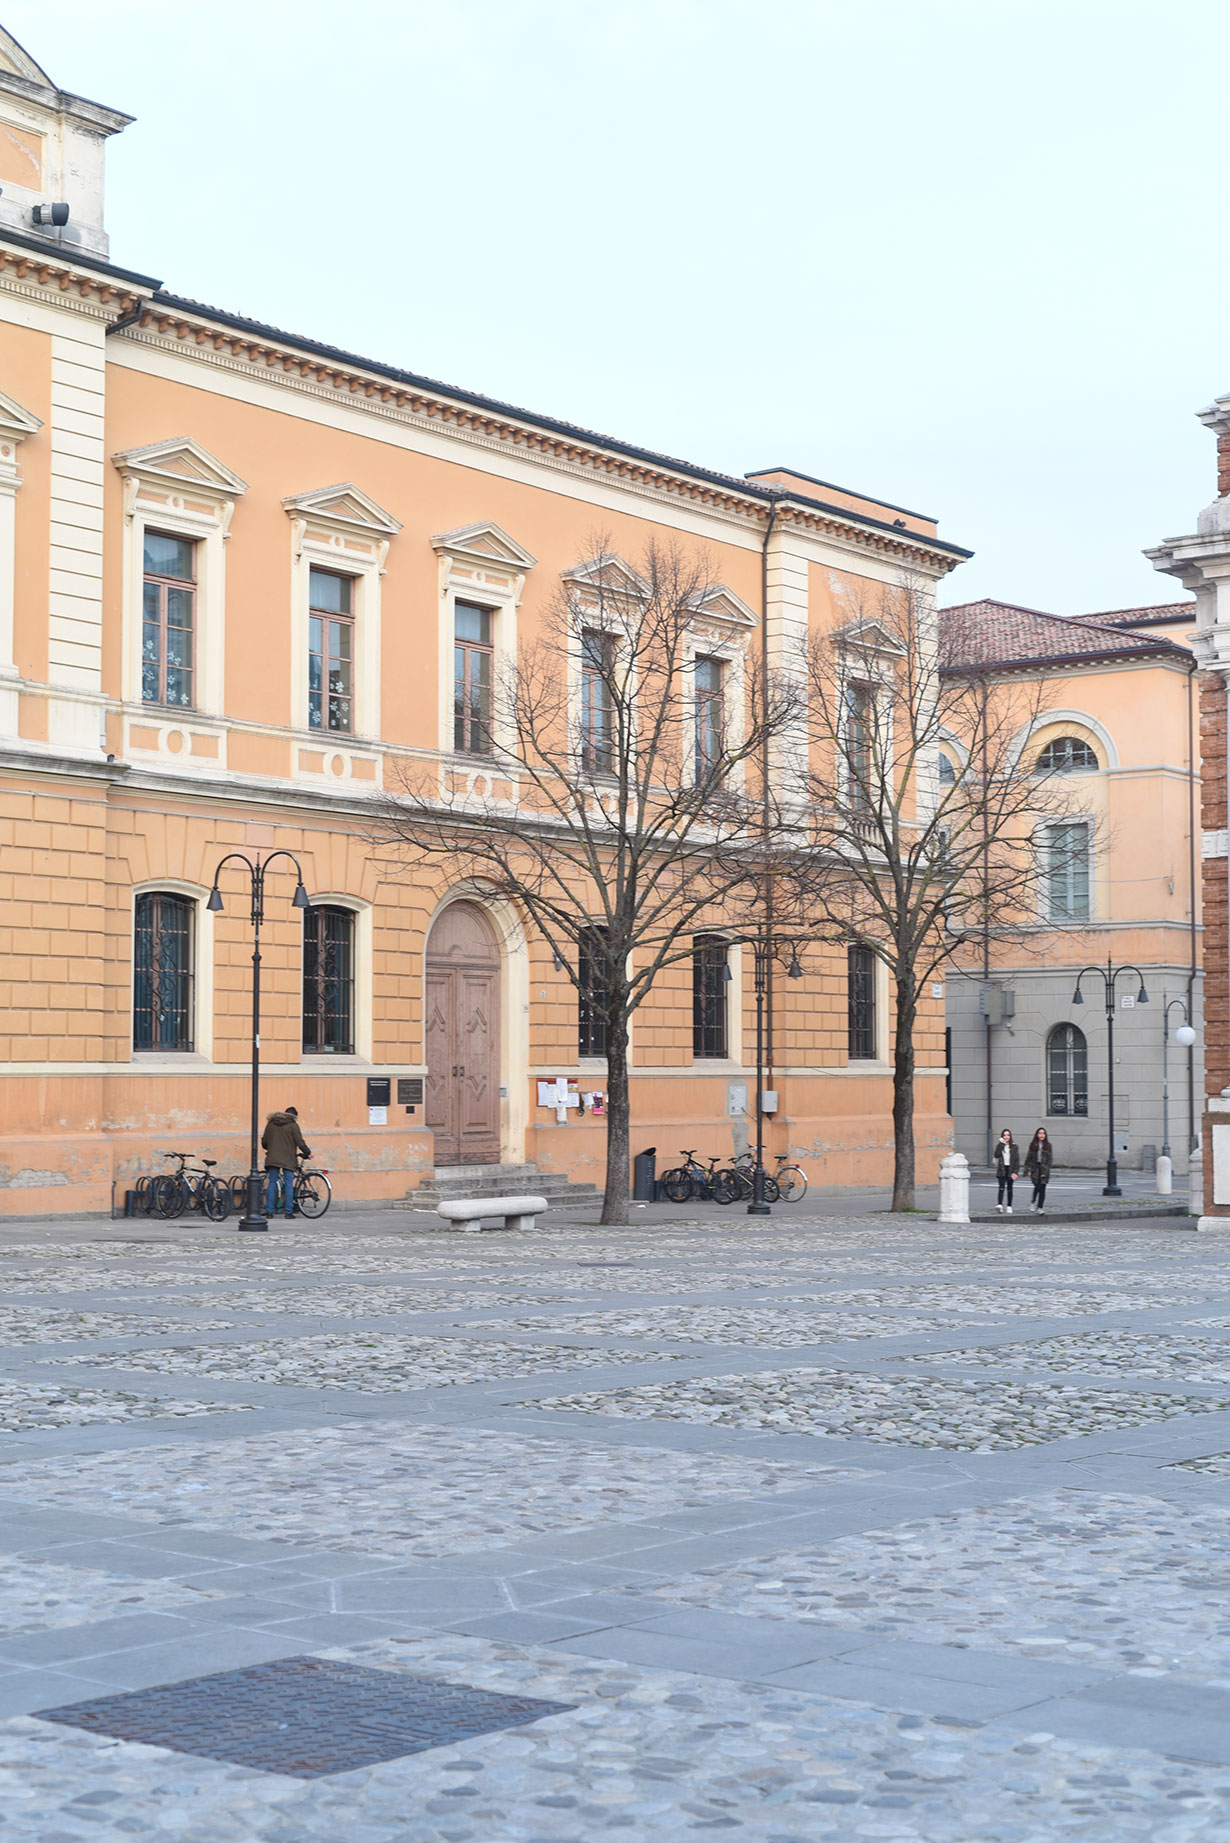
470,1213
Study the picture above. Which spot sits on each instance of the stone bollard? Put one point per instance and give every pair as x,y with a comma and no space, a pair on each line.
954,1188
1165,1172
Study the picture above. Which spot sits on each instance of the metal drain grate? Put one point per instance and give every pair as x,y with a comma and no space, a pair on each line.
303,1716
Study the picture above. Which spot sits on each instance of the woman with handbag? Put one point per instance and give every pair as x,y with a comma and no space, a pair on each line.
1038,1166
1007,1165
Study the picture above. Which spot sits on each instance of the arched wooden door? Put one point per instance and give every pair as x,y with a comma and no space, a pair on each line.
463,1037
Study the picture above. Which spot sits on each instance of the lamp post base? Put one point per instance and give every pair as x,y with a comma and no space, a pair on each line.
254,1222
758,1206
1111,1187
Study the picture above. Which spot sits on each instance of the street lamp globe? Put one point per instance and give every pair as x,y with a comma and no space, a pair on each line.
1185,1036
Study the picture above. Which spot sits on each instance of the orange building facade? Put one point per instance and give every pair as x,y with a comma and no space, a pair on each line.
244,579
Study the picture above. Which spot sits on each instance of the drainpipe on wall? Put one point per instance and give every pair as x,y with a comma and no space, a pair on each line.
1192,860
765,808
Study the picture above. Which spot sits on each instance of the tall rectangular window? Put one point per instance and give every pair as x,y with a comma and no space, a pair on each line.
591,997
710,715
168,620
597,663
330,651
861,1003
859,750
328,981
162,981
472,657
710,978
1067,871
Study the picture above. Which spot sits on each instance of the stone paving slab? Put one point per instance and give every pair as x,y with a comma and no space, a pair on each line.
790,1631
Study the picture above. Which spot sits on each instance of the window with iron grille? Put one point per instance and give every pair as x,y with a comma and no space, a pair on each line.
168,620
162,984
591,998
861,1003
1067,1071
710,715
597,664
1067,755
472,665
328,981
710,979
860,758
330,651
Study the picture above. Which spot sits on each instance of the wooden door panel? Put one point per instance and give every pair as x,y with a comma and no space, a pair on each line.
478,1126
462,1033
441,1099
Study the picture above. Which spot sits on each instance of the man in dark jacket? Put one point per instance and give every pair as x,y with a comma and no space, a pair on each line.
283,1143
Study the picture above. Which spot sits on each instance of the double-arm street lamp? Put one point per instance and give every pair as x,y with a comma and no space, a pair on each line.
257,869
765,945
1109,975
1184,1036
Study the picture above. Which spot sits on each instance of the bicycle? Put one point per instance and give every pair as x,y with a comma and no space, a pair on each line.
693,1179
313,1191
173,1192
744,1171
791,1179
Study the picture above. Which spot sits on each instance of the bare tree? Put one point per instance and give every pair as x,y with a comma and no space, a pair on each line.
621,749
930,821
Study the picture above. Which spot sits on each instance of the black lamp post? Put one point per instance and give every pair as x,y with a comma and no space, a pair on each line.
764,946
1108,978
1185,1036
256,869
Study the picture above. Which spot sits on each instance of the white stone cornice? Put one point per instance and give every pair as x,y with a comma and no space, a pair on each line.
1201,563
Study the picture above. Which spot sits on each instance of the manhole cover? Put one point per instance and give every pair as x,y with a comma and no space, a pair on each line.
304,1716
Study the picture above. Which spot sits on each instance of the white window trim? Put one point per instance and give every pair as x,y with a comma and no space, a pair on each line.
482,565
732,653
202,972
364,933
339,529
180,488
15,424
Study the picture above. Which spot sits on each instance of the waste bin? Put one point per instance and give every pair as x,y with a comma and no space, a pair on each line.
645,1175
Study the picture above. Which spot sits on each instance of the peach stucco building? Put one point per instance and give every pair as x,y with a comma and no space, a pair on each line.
242,576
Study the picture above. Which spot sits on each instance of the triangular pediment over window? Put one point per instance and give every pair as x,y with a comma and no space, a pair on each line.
872,638
722,604
181,462
608,574
16,422
484,543
344,505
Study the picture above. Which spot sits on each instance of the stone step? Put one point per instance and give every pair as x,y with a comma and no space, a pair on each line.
449,1183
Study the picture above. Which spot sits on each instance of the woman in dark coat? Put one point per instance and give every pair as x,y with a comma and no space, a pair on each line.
1007,1164
1038,1166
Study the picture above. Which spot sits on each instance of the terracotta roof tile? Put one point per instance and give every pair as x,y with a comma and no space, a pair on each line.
988,632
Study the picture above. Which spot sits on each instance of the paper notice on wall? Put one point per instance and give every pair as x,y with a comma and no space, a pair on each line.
547,1093
377,1116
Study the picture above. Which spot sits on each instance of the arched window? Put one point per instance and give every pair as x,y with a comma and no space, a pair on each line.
1067,755
948,773
1067,1071
162,1000
328,981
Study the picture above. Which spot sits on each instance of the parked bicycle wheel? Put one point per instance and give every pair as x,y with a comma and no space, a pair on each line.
677,1184
216,1198
743,1178
725,1186
239,1190
792,1183
141,1194
772,1191
313,1193
164,1196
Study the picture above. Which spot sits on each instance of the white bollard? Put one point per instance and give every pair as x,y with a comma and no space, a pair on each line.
954,1188
1165,1172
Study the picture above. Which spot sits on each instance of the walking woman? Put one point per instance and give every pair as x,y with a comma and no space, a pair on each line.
1038,1166
1007,1165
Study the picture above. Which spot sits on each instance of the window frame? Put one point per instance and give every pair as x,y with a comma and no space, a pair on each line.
163,585
346,621
709,714
312,920
1075,864
862,1003
1069,765
711,1032
463,684
1075,1045
597,699
186,1010
860,773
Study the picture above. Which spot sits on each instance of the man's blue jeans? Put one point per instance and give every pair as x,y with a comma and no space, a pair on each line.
288,1191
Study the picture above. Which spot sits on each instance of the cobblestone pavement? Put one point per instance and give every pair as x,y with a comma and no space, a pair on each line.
812,1534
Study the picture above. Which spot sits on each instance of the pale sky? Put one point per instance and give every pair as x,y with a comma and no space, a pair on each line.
967,255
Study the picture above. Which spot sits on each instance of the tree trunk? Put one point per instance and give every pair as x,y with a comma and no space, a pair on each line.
615,1198
903,1095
